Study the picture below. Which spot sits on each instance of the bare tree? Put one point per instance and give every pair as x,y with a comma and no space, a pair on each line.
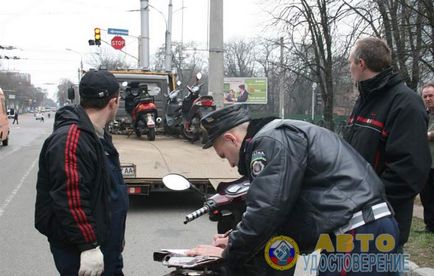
107,60
62,91
408,27
315,40
187,59
240,58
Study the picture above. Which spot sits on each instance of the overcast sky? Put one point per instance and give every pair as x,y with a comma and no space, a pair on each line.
43,29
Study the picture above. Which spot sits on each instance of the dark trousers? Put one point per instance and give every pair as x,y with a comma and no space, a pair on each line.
67,260
427,198
386,225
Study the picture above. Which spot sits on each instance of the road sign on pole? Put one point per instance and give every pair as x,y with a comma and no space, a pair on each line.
113,31
118,42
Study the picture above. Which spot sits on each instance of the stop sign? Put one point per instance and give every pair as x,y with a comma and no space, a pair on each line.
118,42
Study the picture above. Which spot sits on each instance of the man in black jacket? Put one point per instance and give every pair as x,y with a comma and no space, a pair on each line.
388,127
82,201
305,181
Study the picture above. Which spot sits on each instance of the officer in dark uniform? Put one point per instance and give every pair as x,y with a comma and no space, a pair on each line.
305,181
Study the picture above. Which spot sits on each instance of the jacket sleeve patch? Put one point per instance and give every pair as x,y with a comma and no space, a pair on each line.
258,162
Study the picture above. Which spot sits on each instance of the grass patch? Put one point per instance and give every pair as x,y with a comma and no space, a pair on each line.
420,246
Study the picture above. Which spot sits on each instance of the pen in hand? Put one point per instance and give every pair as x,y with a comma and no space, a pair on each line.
226,234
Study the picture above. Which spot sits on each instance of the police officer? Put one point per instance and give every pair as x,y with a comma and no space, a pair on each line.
82,200
305,181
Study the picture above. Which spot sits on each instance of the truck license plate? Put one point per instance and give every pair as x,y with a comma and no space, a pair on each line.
128,170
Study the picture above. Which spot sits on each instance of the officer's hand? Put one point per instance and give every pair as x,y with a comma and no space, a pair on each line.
220,240
91,262
205,250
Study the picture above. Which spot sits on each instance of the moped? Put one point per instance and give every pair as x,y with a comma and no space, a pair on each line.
173,119
226,207
139,103
194,108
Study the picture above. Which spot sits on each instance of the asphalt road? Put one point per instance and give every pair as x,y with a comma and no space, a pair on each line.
153,222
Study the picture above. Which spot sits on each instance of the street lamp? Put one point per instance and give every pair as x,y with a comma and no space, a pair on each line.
81,62
313,101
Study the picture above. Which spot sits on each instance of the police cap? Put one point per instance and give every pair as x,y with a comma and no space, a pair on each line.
222,120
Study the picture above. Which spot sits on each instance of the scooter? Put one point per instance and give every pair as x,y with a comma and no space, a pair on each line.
226,206
194,108
173,120
220,207
139,103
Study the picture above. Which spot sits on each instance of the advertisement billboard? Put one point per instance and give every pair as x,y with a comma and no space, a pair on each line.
245,90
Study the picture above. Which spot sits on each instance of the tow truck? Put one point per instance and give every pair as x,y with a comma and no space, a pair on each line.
144,163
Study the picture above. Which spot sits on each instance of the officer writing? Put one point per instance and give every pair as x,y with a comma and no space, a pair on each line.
305,181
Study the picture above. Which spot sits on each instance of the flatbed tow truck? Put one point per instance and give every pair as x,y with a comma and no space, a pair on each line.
144,163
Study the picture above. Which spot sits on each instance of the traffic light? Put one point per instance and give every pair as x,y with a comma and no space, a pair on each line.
97,32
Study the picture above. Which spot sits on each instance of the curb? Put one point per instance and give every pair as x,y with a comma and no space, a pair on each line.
415,270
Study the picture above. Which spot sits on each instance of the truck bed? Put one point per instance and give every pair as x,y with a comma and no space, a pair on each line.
154,159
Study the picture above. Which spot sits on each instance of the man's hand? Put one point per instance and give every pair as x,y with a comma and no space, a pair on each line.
205,250
220,240
91,262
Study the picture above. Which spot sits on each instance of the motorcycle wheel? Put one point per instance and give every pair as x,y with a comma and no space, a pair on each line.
188,135
204,137
138,133
151,134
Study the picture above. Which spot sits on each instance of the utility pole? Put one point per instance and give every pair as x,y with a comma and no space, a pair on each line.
168,60
216,69
144,35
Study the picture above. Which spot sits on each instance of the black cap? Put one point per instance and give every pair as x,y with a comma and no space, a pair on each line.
98,84
222,120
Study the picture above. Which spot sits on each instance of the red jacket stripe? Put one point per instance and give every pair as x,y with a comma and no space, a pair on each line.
73,192
83,216
69,179
370,121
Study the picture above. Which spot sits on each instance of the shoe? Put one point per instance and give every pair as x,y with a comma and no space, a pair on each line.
426,230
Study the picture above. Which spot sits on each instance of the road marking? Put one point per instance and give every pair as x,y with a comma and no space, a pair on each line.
17,188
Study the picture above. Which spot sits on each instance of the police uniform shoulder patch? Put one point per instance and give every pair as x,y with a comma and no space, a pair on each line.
258,162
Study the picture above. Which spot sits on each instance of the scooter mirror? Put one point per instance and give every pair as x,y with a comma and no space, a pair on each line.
176,182
199,75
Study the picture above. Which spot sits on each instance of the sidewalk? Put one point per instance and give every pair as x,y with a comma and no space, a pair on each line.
415,270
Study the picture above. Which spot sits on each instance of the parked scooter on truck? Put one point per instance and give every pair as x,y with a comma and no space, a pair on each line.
139,103
194,108
173,120
226,206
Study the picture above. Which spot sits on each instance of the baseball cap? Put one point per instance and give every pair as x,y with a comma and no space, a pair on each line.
98,84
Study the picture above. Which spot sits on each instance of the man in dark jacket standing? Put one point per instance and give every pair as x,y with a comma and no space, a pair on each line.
305,181
388,127
427,194
82,201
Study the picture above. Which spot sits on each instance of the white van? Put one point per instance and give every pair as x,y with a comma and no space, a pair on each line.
4,122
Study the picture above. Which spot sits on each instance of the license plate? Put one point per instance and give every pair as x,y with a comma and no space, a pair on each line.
128,170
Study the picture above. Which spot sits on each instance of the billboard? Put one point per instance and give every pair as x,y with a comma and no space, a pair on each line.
245,90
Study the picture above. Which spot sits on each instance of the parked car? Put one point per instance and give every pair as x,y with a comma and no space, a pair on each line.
4,122
11,113
39,116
